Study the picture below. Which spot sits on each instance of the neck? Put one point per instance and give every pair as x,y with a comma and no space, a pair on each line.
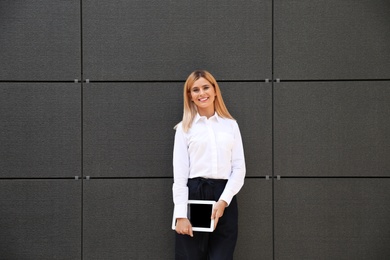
206,112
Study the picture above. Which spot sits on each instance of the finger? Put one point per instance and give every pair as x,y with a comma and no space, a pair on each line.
213,214
218,212
182,231
188,230
177,230
215,222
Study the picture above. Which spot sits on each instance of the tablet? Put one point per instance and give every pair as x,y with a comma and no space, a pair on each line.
199,213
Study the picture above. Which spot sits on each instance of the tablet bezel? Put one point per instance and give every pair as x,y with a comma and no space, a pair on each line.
199,229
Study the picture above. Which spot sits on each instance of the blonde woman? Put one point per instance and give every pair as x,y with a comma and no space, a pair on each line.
208,164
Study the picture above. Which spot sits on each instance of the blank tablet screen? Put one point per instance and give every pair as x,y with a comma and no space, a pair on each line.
200,215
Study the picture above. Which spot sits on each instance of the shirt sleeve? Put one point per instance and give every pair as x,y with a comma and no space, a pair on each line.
180,174
237,177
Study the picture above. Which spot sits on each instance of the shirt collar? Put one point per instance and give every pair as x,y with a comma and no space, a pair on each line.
199,117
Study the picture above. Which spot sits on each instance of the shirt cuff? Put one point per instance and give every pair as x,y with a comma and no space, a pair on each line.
227,196
180,211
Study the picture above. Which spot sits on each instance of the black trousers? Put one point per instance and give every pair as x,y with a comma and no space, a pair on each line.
217,245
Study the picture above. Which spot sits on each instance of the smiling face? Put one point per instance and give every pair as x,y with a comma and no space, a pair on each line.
203,94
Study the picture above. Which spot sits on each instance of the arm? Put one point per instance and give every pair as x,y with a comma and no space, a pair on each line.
236,179
180,179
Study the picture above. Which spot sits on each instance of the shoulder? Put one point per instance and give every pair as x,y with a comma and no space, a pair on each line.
228,121
180,130
179,126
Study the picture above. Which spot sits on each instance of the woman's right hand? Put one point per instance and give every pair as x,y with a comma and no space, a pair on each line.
184,227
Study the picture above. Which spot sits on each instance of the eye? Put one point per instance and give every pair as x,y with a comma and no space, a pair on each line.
196,90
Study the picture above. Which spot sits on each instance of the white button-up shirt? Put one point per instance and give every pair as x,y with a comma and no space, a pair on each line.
212,148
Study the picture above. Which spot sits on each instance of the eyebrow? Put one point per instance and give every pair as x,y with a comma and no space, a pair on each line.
205,85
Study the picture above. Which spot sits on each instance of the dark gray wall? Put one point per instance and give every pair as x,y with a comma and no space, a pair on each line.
90,92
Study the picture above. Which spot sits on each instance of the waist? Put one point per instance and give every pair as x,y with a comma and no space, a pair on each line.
205,189
207,180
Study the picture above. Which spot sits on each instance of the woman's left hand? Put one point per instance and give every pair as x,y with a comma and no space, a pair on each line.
218,210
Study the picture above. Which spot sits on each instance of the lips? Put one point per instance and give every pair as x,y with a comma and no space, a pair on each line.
203,99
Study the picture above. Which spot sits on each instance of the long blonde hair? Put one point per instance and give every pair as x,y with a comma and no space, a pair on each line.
190,111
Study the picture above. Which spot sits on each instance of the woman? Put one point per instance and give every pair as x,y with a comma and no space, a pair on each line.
208,164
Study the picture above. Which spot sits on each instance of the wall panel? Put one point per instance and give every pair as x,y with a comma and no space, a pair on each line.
327,218
40,130
250,103
331,39
332,128
128,219
166,40
40,40
40,219
128,128
255,220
